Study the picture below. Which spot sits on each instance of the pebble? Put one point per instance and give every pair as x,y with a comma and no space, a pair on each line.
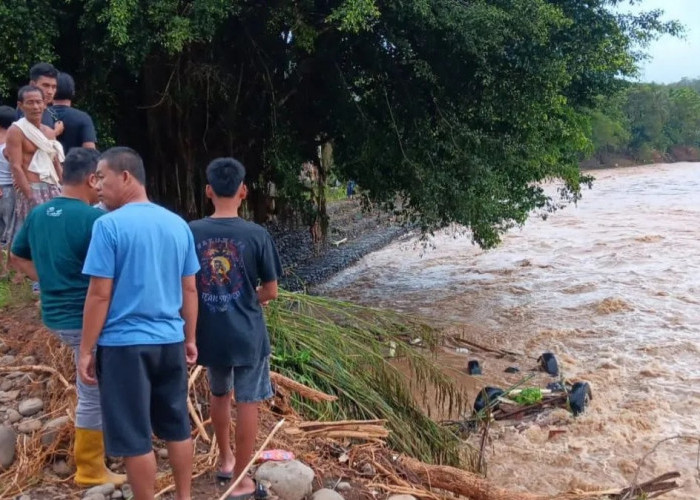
30,406
52,428
163,453
343,486
13,416
127,491
25,497
102,489
94,496
6,385
7,396
326,494
14,375
61,468
3,347
7,359
29,360
8,442
29,426
117,494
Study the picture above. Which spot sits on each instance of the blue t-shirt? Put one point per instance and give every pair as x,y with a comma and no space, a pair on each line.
146,250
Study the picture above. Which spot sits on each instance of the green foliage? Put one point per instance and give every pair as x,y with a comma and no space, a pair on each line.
458,109
528,396
341,349
644,118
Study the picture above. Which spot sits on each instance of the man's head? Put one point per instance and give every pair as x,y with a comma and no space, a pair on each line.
30,100
7,116
65,88
225,178
79,172
44,75
120,176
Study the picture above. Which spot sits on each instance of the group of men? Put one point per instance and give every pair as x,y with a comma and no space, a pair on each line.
46,126
139,294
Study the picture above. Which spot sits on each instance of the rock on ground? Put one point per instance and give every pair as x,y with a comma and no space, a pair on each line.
50,431
29,426
326,494
103,489
8,443
30,406
289,480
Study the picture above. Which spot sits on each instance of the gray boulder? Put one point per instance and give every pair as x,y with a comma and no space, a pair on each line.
8,443
289,480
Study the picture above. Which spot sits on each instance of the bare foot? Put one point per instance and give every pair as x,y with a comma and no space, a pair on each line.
227,462
245,487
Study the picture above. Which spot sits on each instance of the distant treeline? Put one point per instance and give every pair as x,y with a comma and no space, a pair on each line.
649,122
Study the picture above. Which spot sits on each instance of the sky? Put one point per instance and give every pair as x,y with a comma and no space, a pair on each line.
672,58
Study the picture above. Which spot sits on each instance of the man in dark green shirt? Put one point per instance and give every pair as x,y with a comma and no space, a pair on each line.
51,247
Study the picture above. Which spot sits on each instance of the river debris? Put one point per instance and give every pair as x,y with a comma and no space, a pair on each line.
548,363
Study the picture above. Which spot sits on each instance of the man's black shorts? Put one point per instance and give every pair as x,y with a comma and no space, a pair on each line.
143,391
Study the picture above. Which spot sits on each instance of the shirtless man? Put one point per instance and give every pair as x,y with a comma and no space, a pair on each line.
32,188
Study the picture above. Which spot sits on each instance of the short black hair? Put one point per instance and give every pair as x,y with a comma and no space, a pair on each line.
42,69
7,116
65,87
27,89
123,159
225,176
79,164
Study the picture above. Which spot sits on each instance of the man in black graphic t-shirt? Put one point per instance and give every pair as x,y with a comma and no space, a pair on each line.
239,272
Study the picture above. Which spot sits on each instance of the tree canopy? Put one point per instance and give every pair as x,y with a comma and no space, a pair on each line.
458,108
645,118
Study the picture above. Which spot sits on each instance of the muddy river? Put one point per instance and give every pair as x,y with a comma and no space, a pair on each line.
612,287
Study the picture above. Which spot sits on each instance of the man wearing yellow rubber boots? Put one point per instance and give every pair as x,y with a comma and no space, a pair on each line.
51,247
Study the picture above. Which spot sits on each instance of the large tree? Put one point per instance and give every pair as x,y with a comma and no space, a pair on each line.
457,108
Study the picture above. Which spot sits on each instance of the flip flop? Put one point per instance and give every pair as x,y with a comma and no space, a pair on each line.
259,493
224,476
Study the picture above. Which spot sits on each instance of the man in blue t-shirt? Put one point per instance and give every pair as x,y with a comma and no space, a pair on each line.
239,273
141,311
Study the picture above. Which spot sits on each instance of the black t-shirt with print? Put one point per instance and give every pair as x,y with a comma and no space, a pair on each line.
235,256
78,127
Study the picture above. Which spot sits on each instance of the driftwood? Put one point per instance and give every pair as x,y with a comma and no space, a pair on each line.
301,389
41,369
465,483
369,430
461,482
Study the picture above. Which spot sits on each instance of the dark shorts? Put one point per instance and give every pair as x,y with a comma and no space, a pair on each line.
250,384
143,391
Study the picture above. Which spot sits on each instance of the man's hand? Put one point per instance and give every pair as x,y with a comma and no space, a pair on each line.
86,368
190,353
58,128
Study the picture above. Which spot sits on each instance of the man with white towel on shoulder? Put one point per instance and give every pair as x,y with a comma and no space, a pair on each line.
35,157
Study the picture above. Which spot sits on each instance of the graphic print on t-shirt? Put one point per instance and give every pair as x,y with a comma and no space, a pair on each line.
221,277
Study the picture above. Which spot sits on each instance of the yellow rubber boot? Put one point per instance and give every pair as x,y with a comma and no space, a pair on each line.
89,455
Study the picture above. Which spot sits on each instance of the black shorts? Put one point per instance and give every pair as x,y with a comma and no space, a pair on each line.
143,391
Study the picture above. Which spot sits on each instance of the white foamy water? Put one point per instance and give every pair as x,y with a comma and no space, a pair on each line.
612,287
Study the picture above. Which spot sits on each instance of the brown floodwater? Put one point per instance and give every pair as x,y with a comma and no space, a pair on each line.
612,287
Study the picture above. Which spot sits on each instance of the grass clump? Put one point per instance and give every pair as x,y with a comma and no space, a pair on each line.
342,349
